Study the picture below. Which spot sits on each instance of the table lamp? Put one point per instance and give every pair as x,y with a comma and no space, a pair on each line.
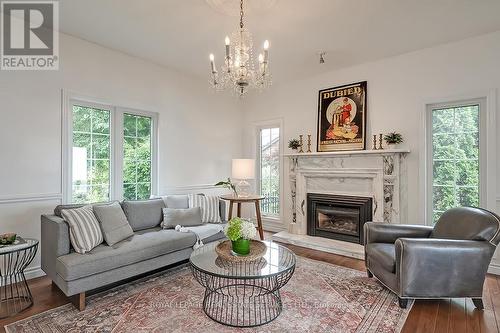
243,169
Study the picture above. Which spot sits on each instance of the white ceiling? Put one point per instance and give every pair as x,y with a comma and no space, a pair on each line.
182,33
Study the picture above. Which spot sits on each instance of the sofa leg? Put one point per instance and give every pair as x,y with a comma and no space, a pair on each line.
370,275
478,302
78,301
403,302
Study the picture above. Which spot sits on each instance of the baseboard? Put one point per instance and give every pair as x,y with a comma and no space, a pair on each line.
273,226
33,272
494,269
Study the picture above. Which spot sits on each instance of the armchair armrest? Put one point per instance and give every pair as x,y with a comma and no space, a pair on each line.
54,243
376,232
436,268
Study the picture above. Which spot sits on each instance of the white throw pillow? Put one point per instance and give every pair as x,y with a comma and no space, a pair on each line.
84,230
209,205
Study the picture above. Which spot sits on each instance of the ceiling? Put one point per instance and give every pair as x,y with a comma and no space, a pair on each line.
182,33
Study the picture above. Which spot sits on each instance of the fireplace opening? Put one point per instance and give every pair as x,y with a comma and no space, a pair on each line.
337,216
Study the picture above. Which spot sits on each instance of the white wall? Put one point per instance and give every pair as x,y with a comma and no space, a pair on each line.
398,89
199,131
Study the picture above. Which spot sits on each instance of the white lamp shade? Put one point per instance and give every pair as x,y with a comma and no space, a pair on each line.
243,168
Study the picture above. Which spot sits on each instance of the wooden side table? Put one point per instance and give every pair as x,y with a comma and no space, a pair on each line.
251,199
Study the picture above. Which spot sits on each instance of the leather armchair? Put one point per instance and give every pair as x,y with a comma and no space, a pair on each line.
449,260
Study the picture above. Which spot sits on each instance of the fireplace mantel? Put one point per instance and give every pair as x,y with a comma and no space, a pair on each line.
350,153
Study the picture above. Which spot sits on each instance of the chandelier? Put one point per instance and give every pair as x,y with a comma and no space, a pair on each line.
239,72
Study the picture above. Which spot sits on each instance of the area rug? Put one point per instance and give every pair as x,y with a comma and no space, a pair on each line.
320,297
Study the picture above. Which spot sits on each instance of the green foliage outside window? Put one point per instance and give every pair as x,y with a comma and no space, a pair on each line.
270,170
455,153
136,157
91,144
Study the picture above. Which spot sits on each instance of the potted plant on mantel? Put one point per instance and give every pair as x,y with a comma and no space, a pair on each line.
393,139
294,144
240,231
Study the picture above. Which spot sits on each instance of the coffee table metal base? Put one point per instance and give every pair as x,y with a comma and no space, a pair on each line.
242,305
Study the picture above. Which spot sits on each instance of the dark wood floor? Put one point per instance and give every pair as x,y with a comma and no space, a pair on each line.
453,316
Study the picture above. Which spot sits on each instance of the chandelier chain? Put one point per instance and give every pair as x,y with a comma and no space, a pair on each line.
241,14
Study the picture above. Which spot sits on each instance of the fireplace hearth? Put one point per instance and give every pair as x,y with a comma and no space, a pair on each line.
338,216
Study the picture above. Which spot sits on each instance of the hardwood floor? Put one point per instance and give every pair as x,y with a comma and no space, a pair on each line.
442,316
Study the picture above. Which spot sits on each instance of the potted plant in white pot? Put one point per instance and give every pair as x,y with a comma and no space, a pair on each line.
240,231
294,144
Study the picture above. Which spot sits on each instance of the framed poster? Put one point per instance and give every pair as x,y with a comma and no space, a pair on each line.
342,118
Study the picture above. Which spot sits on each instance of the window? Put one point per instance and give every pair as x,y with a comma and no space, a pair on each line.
269,170
136,157
111,153
91,154
455,161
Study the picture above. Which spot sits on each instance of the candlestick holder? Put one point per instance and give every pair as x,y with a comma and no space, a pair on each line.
301,144
380,141
374,142
309,143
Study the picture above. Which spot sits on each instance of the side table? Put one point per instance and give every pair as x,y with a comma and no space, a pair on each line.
15,295
251,199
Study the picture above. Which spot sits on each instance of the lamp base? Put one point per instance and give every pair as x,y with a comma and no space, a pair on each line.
243,189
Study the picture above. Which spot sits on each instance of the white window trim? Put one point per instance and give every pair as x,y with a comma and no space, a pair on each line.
487,146
116,143
278,122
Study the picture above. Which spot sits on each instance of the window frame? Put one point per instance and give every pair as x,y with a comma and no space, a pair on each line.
116,143
483,150
274,123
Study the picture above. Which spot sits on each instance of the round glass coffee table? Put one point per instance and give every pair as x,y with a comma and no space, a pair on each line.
243,294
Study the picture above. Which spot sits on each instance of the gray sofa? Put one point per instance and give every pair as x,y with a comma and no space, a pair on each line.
445,261
149,249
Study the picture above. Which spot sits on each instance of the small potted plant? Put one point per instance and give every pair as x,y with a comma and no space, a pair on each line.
294,144
392,139
239,231
228,184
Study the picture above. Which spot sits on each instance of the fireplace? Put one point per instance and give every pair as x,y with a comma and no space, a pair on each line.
338,216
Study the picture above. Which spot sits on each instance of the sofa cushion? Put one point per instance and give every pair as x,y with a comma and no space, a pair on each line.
84,230
188,217
382,254
210,207
143,214
144,245
113,222
176,201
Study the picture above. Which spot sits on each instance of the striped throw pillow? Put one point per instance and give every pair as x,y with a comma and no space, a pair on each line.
84,230
209,206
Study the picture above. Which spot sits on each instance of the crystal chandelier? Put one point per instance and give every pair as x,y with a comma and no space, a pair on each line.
238,72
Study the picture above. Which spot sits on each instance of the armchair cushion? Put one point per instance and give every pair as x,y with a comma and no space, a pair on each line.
382,254
377,232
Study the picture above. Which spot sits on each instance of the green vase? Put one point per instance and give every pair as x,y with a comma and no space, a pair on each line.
241,246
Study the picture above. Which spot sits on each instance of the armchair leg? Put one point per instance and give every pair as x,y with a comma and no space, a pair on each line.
403,302
478,303
370,275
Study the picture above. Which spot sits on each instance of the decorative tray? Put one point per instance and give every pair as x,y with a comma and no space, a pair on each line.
257,251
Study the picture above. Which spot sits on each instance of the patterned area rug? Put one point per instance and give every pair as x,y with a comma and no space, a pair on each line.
320,297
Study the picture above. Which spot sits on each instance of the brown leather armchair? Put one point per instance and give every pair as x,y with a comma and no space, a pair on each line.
449,260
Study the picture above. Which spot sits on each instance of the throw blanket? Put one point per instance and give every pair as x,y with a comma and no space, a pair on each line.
201,232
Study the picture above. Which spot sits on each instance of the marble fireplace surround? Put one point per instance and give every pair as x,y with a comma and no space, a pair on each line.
378,174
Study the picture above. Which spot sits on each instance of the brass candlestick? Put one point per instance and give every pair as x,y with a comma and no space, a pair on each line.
309,143
301,143
380,141
374,142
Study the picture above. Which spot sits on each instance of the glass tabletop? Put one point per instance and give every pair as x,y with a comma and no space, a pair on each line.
20,244
277,259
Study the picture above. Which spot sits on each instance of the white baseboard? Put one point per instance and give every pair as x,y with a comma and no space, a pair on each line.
33,272
273,226
494,269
